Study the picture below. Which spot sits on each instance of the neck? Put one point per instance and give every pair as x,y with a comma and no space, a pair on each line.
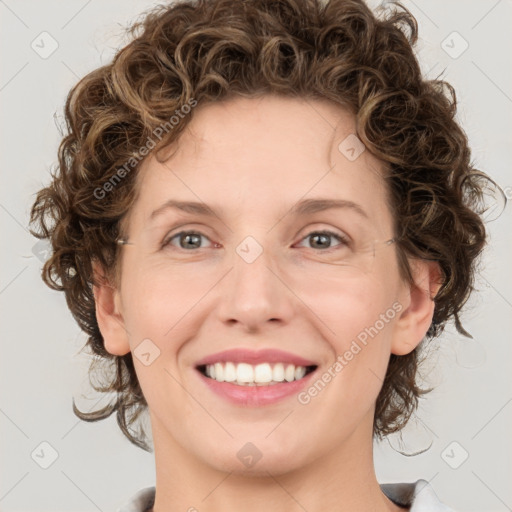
342,480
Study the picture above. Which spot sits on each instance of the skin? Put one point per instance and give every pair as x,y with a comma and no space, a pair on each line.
254,159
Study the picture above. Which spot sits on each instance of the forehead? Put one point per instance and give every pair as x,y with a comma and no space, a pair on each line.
260,156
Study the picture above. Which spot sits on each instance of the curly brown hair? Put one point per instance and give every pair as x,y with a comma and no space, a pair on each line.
209,50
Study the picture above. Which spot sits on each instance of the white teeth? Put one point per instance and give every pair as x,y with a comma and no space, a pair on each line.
278,372
300,371
229,372
289,373
263,374
219,372
244,373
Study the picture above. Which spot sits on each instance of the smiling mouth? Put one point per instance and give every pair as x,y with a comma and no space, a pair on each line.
264,374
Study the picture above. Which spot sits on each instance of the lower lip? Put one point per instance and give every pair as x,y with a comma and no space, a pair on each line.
255,396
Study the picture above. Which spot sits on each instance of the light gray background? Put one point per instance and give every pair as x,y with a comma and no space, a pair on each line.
41,368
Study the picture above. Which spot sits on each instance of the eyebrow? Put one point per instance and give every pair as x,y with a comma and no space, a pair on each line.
304,207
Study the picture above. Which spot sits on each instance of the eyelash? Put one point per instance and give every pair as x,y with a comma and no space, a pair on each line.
344,241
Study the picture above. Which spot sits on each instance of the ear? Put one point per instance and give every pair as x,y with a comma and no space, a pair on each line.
108,313
418,301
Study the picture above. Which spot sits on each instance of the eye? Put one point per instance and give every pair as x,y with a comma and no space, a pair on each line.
322,239
186,239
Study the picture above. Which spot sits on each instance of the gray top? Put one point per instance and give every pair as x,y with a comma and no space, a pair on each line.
419,496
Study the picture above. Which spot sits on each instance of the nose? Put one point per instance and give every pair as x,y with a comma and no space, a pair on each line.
254,293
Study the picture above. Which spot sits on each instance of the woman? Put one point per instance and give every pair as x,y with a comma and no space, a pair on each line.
261,211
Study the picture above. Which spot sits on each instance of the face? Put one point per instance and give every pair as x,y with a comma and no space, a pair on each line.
256,278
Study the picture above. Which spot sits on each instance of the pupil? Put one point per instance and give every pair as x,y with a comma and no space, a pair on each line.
325,237
188,237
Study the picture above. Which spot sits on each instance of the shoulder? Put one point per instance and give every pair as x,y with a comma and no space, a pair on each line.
142,501
419,496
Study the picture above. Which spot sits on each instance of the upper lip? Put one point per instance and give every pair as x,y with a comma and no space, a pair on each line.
239,355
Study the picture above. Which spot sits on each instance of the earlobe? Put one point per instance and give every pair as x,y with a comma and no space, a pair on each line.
419,306
109,314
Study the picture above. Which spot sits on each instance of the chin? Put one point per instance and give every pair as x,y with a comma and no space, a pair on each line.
262,468
257,458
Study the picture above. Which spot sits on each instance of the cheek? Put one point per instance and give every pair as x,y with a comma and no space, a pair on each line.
157,309
155,298
360,317
347,304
